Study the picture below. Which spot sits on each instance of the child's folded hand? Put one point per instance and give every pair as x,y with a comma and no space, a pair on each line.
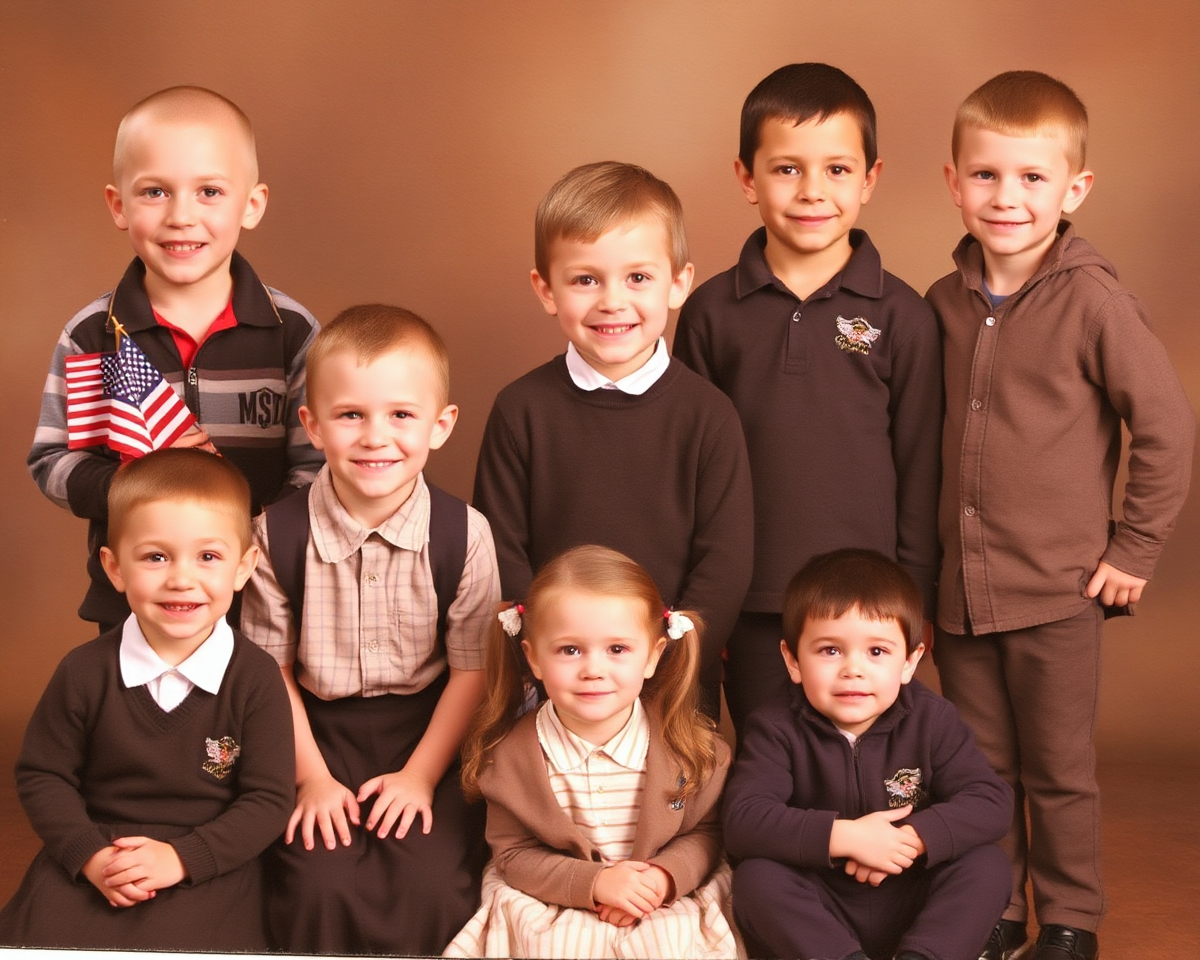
630,886
128,895
148,864
402,796
615,915
873,841
864,874
326,805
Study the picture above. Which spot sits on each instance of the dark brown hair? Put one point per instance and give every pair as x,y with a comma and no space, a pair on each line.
832,583
801,92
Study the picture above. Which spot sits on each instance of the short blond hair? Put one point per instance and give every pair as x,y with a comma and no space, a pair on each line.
595,197
1023,103
369,330
179,475
184,104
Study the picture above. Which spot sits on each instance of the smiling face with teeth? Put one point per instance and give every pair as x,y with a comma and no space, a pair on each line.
185,187
179,562
376,422
612,295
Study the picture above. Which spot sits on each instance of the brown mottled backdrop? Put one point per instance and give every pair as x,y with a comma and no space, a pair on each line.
406,144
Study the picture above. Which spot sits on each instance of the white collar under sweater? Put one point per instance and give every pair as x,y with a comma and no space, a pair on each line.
586,377
169,686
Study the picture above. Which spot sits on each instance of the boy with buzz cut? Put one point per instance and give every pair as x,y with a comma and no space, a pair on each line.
613,442
833,364
860,815
1046,355
374,594
185,184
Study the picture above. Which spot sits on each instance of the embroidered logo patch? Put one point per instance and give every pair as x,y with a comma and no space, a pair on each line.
855,336
905,790
221,755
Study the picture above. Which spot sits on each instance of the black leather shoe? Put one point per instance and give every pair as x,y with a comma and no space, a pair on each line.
1058,942
1007,942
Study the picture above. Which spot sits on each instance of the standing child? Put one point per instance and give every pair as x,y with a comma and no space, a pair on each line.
833,364
185,184
1046,355
613,442
862,813
375,611
151,768
602,805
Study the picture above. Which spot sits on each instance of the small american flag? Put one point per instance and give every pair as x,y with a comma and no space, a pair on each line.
120,399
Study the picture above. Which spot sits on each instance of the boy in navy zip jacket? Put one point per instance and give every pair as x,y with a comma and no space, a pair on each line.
861,816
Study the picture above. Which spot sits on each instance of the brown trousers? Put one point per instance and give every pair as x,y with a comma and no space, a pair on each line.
1031,698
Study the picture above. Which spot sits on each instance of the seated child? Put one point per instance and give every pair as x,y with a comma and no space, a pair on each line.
1046,355
614,442
375,611
601,804
833,364
185,184
861,816
151,767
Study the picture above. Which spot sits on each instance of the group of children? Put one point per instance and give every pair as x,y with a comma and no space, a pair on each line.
649,516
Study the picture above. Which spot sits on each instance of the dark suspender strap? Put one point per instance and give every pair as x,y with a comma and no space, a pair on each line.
287,542
447,549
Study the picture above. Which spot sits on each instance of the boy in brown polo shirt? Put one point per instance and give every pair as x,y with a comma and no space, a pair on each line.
1045,356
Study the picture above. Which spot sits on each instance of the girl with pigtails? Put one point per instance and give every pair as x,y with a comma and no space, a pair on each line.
602,804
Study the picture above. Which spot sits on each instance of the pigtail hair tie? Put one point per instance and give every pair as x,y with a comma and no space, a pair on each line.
510,619
677,624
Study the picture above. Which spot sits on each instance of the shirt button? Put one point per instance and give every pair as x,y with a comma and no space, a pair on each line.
373,645
969,511
976,404
372,578
796,317
990,321
599,789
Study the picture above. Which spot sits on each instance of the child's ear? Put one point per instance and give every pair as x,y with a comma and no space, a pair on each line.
444,426
745,178
681,285
951,172
108,560
256,206
246,566
910,663
543,291
1081,185
116,206
531,660
312,427
655,656
790,661
871,179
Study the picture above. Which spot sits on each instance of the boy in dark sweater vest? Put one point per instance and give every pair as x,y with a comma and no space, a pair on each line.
861,816
614,442
152,767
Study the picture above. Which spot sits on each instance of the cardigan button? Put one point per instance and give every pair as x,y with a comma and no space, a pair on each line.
990,321
976,404
969,511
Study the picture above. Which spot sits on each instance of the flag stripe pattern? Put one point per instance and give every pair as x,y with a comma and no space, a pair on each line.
122,401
